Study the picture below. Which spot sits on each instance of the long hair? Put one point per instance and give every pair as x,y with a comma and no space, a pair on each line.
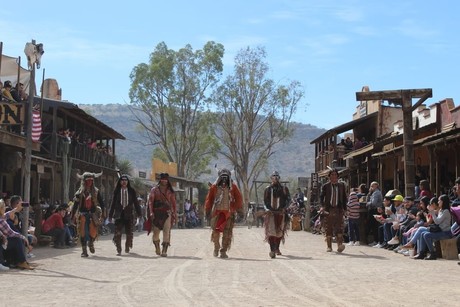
128,186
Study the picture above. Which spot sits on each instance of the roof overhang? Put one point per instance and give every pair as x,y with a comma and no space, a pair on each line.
345,127
359,152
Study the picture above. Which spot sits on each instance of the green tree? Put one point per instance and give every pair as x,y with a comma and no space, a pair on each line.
171,92
254,115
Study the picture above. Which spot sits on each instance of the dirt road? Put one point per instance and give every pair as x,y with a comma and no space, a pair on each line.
305,275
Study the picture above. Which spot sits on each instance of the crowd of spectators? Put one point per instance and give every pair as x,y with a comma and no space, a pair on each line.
12,94
406,225
16,248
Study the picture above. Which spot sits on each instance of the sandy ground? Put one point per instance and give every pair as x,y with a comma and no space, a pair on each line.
305,275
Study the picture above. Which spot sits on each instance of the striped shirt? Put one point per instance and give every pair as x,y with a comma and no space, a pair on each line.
353,206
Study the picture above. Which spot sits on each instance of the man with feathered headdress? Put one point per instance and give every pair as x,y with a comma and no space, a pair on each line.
162,207
222,202
276,200
124,202
88,207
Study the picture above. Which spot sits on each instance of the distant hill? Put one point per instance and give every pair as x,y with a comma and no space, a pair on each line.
292,159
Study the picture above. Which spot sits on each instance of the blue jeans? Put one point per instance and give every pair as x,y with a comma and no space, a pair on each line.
353,229
430,237
417,234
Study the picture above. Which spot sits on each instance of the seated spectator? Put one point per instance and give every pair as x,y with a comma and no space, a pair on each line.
348,143
14,252
6,92
18,93
3,242
14,218
443,219
54,227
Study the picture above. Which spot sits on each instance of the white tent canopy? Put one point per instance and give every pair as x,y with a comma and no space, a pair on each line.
9,72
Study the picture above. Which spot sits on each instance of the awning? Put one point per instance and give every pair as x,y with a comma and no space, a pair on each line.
359,152
445,136
346,127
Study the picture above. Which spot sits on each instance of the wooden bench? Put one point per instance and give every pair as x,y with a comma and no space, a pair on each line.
449,248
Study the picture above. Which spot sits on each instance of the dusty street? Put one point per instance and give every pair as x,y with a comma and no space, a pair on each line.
190,276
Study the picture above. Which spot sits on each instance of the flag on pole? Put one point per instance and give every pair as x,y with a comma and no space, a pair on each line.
36,125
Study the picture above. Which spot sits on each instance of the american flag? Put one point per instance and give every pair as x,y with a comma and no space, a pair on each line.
36,125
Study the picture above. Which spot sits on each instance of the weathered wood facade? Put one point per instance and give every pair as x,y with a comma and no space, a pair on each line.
431,148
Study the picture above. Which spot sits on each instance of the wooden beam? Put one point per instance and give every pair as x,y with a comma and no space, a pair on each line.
422,100
393,94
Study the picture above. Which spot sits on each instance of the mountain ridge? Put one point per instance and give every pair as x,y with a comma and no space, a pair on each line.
292,159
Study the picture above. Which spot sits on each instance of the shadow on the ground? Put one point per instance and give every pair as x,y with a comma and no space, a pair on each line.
56,274
363,255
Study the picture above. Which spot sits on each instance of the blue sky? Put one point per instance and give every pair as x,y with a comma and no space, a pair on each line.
332,47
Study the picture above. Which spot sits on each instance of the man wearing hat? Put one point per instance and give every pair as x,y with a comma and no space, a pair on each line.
124,202
162,206
90,206
276,200
333,199
222,202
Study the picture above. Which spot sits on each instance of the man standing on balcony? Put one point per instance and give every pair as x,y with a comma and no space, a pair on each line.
89,205
124,202
333,200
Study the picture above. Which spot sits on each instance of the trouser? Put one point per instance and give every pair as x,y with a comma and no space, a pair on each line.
372,224
227,235
428,239
14,252
140,225
87,229
274,243
127,225
334,222
166,232
353,229
59,236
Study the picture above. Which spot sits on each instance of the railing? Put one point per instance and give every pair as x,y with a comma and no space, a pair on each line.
76,150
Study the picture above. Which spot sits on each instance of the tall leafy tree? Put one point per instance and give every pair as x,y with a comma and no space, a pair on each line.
171,93
255,115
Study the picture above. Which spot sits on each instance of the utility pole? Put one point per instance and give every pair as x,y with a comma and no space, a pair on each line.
28,150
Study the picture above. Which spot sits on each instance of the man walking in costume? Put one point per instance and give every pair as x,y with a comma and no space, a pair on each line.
333,200
162,206
124,202
222,202
276,199
87,210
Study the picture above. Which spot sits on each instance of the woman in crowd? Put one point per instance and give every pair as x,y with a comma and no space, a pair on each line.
14,252
441,217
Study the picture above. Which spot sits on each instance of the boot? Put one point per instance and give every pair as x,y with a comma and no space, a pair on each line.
272,253
340,245
223,253
91,246
329,244
157,247
215,239
164,251
84,251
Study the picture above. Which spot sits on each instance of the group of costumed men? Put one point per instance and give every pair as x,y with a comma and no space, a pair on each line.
223,202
